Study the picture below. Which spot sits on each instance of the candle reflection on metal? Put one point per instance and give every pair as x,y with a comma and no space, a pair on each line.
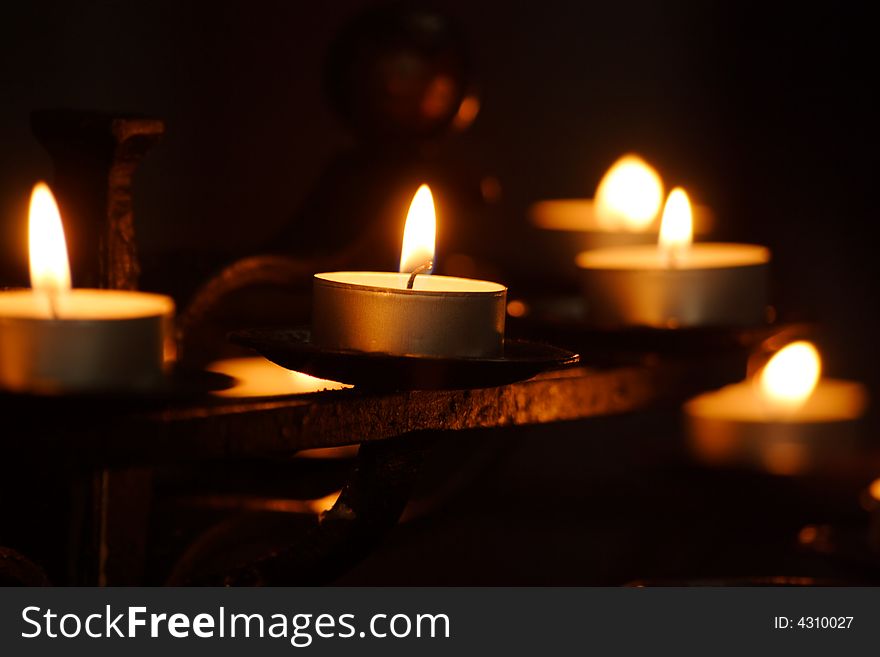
258,377
325,453
256,503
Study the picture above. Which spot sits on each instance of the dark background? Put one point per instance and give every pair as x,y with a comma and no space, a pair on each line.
764,112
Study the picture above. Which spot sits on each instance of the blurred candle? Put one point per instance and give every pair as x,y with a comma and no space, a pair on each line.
55,339
787,419
675,283
624,210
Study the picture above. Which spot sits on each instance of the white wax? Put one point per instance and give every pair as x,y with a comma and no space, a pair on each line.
703,255
428,284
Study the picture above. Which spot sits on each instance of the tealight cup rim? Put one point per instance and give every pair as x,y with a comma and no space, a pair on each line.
492,289
761,253
164,306
857,401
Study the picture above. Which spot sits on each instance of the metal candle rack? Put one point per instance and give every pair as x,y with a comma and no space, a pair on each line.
84,477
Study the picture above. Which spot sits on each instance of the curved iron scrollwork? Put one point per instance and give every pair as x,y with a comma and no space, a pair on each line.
17,570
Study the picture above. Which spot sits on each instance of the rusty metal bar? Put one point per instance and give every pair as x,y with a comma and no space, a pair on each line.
95,156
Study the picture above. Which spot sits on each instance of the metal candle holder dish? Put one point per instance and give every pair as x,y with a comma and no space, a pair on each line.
293,349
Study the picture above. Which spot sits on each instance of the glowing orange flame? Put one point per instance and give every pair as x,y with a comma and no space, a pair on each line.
629,195
419,233
49,267
677,225
789,378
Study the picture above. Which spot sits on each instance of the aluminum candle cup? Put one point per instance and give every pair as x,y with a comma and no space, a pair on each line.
710,284
441,316
101,340
735,426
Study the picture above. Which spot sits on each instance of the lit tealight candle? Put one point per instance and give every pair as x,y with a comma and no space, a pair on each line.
624,210
787,419
410,312
675,283
57,339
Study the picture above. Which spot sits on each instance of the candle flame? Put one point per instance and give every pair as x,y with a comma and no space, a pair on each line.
49,267
790,376
419,233
629,195
677,225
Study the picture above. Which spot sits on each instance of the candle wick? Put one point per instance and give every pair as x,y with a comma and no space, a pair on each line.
50,295
53,303
672,254
421,269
